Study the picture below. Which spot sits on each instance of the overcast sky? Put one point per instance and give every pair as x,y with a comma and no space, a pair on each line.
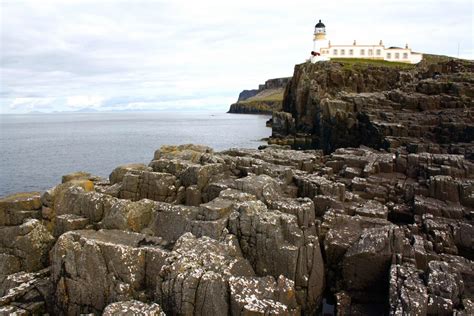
165,54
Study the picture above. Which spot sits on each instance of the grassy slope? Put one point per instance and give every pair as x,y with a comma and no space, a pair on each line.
276,95
351,62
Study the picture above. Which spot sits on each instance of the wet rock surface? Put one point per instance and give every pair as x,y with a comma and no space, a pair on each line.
247,232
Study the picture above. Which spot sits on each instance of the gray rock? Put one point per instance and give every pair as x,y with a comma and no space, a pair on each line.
276,245
193,196
29,242
15,208
195,279
262,296
366,264
263,187
408,293
133,307
312,185
156,186
68,222
342,231
445,281
128,215
118,173
91,269
372,208
26,293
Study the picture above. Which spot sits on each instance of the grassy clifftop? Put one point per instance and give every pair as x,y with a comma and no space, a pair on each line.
268,98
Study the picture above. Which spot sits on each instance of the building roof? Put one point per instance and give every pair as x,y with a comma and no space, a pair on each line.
320,24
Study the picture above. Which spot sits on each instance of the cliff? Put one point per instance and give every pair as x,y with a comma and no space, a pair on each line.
264,100
245,231
428,107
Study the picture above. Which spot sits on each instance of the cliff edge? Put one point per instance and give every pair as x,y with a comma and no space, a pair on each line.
425,107
264,100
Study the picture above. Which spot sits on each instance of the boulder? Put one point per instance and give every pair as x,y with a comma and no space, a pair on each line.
312,185
91,269
155,186
263,187
68,222
29,243
194,280
79,175
366,263
118,173
129,215
276,245
15,208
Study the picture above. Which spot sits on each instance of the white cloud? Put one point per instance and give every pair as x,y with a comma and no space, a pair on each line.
169,53
84,101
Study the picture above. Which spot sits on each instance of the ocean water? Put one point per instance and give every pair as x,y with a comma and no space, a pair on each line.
37,149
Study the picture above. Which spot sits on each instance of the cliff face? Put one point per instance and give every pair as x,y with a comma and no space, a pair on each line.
264,100
337,104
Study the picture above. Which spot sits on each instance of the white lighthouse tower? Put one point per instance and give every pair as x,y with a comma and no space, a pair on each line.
319,41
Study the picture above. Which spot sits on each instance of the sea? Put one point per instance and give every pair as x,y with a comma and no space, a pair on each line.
37,149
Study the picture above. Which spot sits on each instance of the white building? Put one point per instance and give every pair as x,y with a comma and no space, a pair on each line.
325,50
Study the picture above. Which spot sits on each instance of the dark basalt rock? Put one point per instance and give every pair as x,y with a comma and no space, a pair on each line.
330,105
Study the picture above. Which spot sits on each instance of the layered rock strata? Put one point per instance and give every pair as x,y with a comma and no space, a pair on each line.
426,108
247,232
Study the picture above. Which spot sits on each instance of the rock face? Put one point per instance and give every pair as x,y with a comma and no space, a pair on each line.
272,231
264,100
427,108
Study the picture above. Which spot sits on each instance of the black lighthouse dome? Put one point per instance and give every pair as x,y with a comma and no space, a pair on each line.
320,24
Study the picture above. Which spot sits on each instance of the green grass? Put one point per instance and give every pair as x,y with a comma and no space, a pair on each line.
351,62
278,96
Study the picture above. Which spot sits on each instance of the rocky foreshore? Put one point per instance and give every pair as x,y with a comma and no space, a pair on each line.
247,232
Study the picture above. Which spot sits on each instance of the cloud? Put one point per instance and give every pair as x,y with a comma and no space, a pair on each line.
60,55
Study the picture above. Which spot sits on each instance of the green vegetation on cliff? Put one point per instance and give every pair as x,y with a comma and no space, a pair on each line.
266,100
359,62
272,97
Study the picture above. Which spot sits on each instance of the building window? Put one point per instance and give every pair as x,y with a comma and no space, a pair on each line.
351,52
343,52
362,52
397,55
334,52
371,52
378,52
405,55
389,56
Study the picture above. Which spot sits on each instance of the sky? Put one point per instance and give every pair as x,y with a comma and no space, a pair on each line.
65,55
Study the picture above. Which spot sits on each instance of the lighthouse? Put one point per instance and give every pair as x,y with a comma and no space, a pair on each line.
324,50
319,41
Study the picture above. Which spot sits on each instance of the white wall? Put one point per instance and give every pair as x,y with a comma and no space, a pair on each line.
367,51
